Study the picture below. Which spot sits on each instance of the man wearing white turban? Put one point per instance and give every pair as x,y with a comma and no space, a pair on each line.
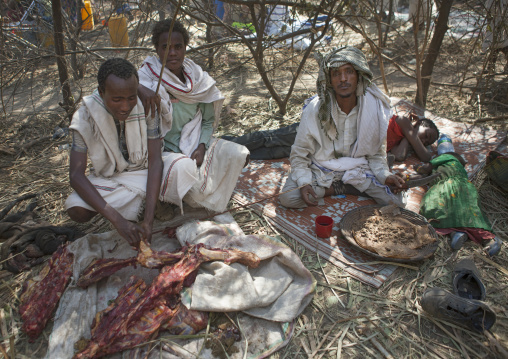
341,142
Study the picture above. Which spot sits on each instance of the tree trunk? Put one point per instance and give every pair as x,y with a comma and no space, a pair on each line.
77,72
433,52
209,29
68,100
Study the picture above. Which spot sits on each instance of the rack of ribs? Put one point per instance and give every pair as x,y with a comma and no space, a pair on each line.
140,311
40,295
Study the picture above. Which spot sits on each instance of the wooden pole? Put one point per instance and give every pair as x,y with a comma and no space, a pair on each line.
68,100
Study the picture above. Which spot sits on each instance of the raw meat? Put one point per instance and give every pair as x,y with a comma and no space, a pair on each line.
139,311
41,294
102,268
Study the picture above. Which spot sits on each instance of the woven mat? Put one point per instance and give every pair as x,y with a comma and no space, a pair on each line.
262,179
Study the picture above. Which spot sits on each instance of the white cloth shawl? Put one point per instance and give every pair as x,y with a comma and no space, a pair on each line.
198,88
372,125
98,129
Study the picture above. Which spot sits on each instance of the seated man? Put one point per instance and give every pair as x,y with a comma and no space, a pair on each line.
342,136
204,170
403,136
125,151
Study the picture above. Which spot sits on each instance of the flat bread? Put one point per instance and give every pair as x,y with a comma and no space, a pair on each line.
391,236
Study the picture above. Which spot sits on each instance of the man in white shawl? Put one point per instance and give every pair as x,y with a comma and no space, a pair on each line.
204,170
125,151
340,147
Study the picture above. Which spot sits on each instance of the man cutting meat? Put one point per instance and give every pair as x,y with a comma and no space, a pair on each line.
125,150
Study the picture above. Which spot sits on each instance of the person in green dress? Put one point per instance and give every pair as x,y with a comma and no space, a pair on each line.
451,204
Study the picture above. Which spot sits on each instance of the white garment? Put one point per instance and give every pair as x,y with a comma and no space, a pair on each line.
212,184
361,142
190,135
199,87
97,127
126,191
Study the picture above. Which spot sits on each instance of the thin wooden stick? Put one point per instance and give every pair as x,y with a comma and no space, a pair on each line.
491,262
252,203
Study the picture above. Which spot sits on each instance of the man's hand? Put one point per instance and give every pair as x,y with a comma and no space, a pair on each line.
199,154
423,169
150,100
147,229
395,183
130,231
307,192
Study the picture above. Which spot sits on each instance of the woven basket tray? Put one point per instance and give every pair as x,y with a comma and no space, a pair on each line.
351,218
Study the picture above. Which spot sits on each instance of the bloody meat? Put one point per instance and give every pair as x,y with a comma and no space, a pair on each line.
139,311
103,268
41,294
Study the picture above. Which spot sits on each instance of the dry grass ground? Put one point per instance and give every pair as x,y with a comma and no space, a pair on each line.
346,318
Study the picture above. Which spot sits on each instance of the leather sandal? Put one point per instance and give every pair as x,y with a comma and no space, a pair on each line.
467,282
469,313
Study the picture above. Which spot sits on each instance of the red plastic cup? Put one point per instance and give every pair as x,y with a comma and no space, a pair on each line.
324,225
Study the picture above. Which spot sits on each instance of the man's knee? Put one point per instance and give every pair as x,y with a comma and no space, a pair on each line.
184,165
292,199
80,214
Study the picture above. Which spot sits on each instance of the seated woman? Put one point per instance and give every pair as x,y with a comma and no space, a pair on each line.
402,136
451,204
204,170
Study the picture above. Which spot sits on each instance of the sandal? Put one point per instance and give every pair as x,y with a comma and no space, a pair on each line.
493,246
467,282
473,314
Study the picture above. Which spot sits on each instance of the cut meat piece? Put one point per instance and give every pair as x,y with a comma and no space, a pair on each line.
157,259
108,325
41,294
186,322
102,268
139,313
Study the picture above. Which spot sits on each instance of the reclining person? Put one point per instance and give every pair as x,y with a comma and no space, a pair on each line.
125,150
341,142
204,170
451,204
403,136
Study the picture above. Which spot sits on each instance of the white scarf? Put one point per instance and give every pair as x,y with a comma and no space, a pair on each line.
98,129
372,124
199,87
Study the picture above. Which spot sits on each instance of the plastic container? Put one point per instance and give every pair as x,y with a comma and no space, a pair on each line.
444,145
118,31
324,225
86,15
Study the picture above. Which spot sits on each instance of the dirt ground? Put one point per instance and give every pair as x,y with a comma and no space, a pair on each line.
347,318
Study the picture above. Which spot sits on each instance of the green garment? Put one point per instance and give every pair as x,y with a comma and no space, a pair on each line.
452,201
183,113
